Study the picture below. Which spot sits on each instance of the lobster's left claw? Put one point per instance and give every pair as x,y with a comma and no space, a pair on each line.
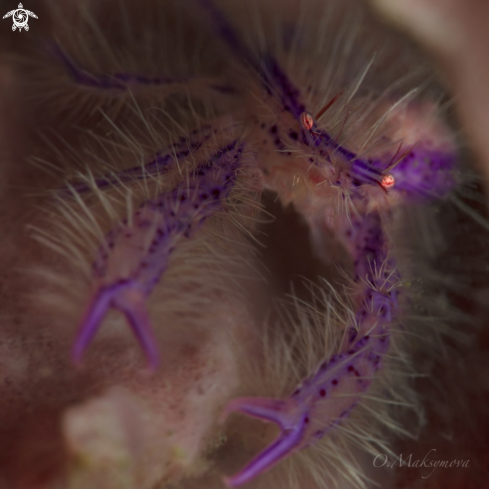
127,298
292,421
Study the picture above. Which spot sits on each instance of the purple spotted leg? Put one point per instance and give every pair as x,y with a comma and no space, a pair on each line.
321,401
135,256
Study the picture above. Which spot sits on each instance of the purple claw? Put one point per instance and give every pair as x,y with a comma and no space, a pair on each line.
289,415
282,447
129,300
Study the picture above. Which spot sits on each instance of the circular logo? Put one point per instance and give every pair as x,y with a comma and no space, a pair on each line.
20,17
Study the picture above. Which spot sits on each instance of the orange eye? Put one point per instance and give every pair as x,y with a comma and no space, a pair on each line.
307,121
388,181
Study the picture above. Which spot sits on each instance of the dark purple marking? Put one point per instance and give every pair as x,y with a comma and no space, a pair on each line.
226,32
120,81
280,85
117,81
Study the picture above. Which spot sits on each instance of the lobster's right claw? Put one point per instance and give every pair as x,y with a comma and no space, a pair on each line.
286,414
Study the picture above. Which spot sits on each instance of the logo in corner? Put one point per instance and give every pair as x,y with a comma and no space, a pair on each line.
20,16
